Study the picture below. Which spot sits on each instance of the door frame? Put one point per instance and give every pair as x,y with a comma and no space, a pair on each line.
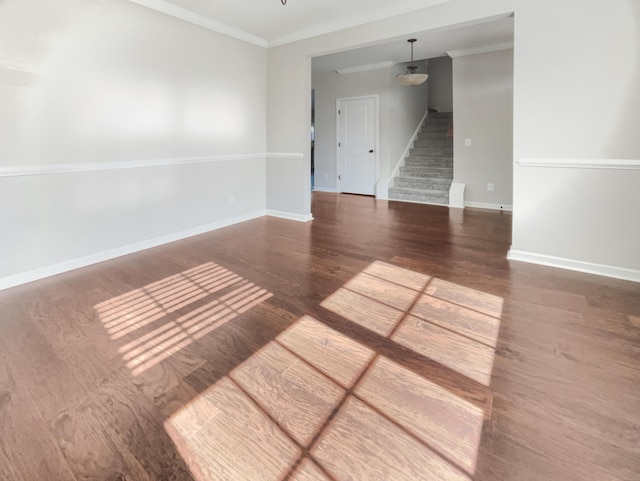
376,113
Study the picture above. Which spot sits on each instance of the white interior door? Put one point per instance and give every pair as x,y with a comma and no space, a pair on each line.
357,156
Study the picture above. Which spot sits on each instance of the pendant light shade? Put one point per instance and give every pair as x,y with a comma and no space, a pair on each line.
412,78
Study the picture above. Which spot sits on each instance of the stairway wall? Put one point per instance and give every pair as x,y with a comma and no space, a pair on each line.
400,109
483,112
441,84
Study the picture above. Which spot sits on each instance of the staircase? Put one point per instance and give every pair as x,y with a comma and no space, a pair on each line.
428,171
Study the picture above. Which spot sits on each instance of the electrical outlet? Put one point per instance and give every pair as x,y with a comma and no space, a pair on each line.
467,142
490,187
231,198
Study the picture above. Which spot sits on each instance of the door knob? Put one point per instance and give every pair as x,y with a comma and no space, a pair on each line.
371,151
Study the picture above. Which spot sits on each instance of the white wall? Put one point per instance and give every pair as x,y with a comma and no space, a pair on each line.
441,84
330,86
483,112
289,93
113,82
406,110
401,109
577,98
576,71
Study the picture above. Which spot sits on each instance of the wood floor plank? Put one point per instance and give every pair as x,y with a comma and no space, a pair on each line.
298,397
478,326
457,352
398,275
135,425
241,442
51,384
89,450
447,423
336,355
470,298
28,450
308,471
565,377
360,444
383,291
364,311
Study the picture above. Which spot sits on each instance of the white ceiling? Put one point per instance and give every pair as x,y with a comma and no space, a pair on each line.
434,43
269,23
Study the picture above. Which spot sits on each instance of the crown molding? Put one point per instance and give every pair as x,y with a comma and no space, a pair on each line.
476,50
201,20
366,68
208,23
362,18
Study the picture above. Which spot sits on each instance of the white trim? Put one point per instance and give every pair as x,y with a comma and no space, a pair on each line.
419,202
324,189
201,20
376,109
10,61
284,155
575,265
34,275
456,195
23,170
366,68
614,164
483,205
476,50
290,215
382,188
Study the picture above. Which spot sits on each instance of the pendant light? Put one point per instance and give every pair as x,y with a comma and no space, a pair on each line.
412,78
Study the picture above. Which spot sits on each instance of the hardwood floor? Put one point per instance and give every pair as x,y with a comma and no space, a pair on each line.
383,341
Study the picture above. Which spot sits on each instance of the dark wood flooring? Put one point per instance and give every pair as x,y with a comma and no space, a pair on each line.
382,341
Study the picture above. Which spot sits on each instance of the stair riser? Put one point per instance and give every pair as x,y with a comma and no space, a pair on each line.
428,136
436,121
434,128
440,115
431,152
428,163
433,143
430,199
422,183
427,173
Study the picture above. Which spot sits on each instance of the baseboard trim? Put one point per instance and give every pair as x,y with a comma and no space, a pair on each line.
290,216
324,189
483,205
418,202
574,265
41,273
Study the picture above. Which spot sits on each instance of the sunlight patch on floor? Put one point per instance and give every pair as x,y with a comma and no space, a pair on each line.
315,404
156,321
